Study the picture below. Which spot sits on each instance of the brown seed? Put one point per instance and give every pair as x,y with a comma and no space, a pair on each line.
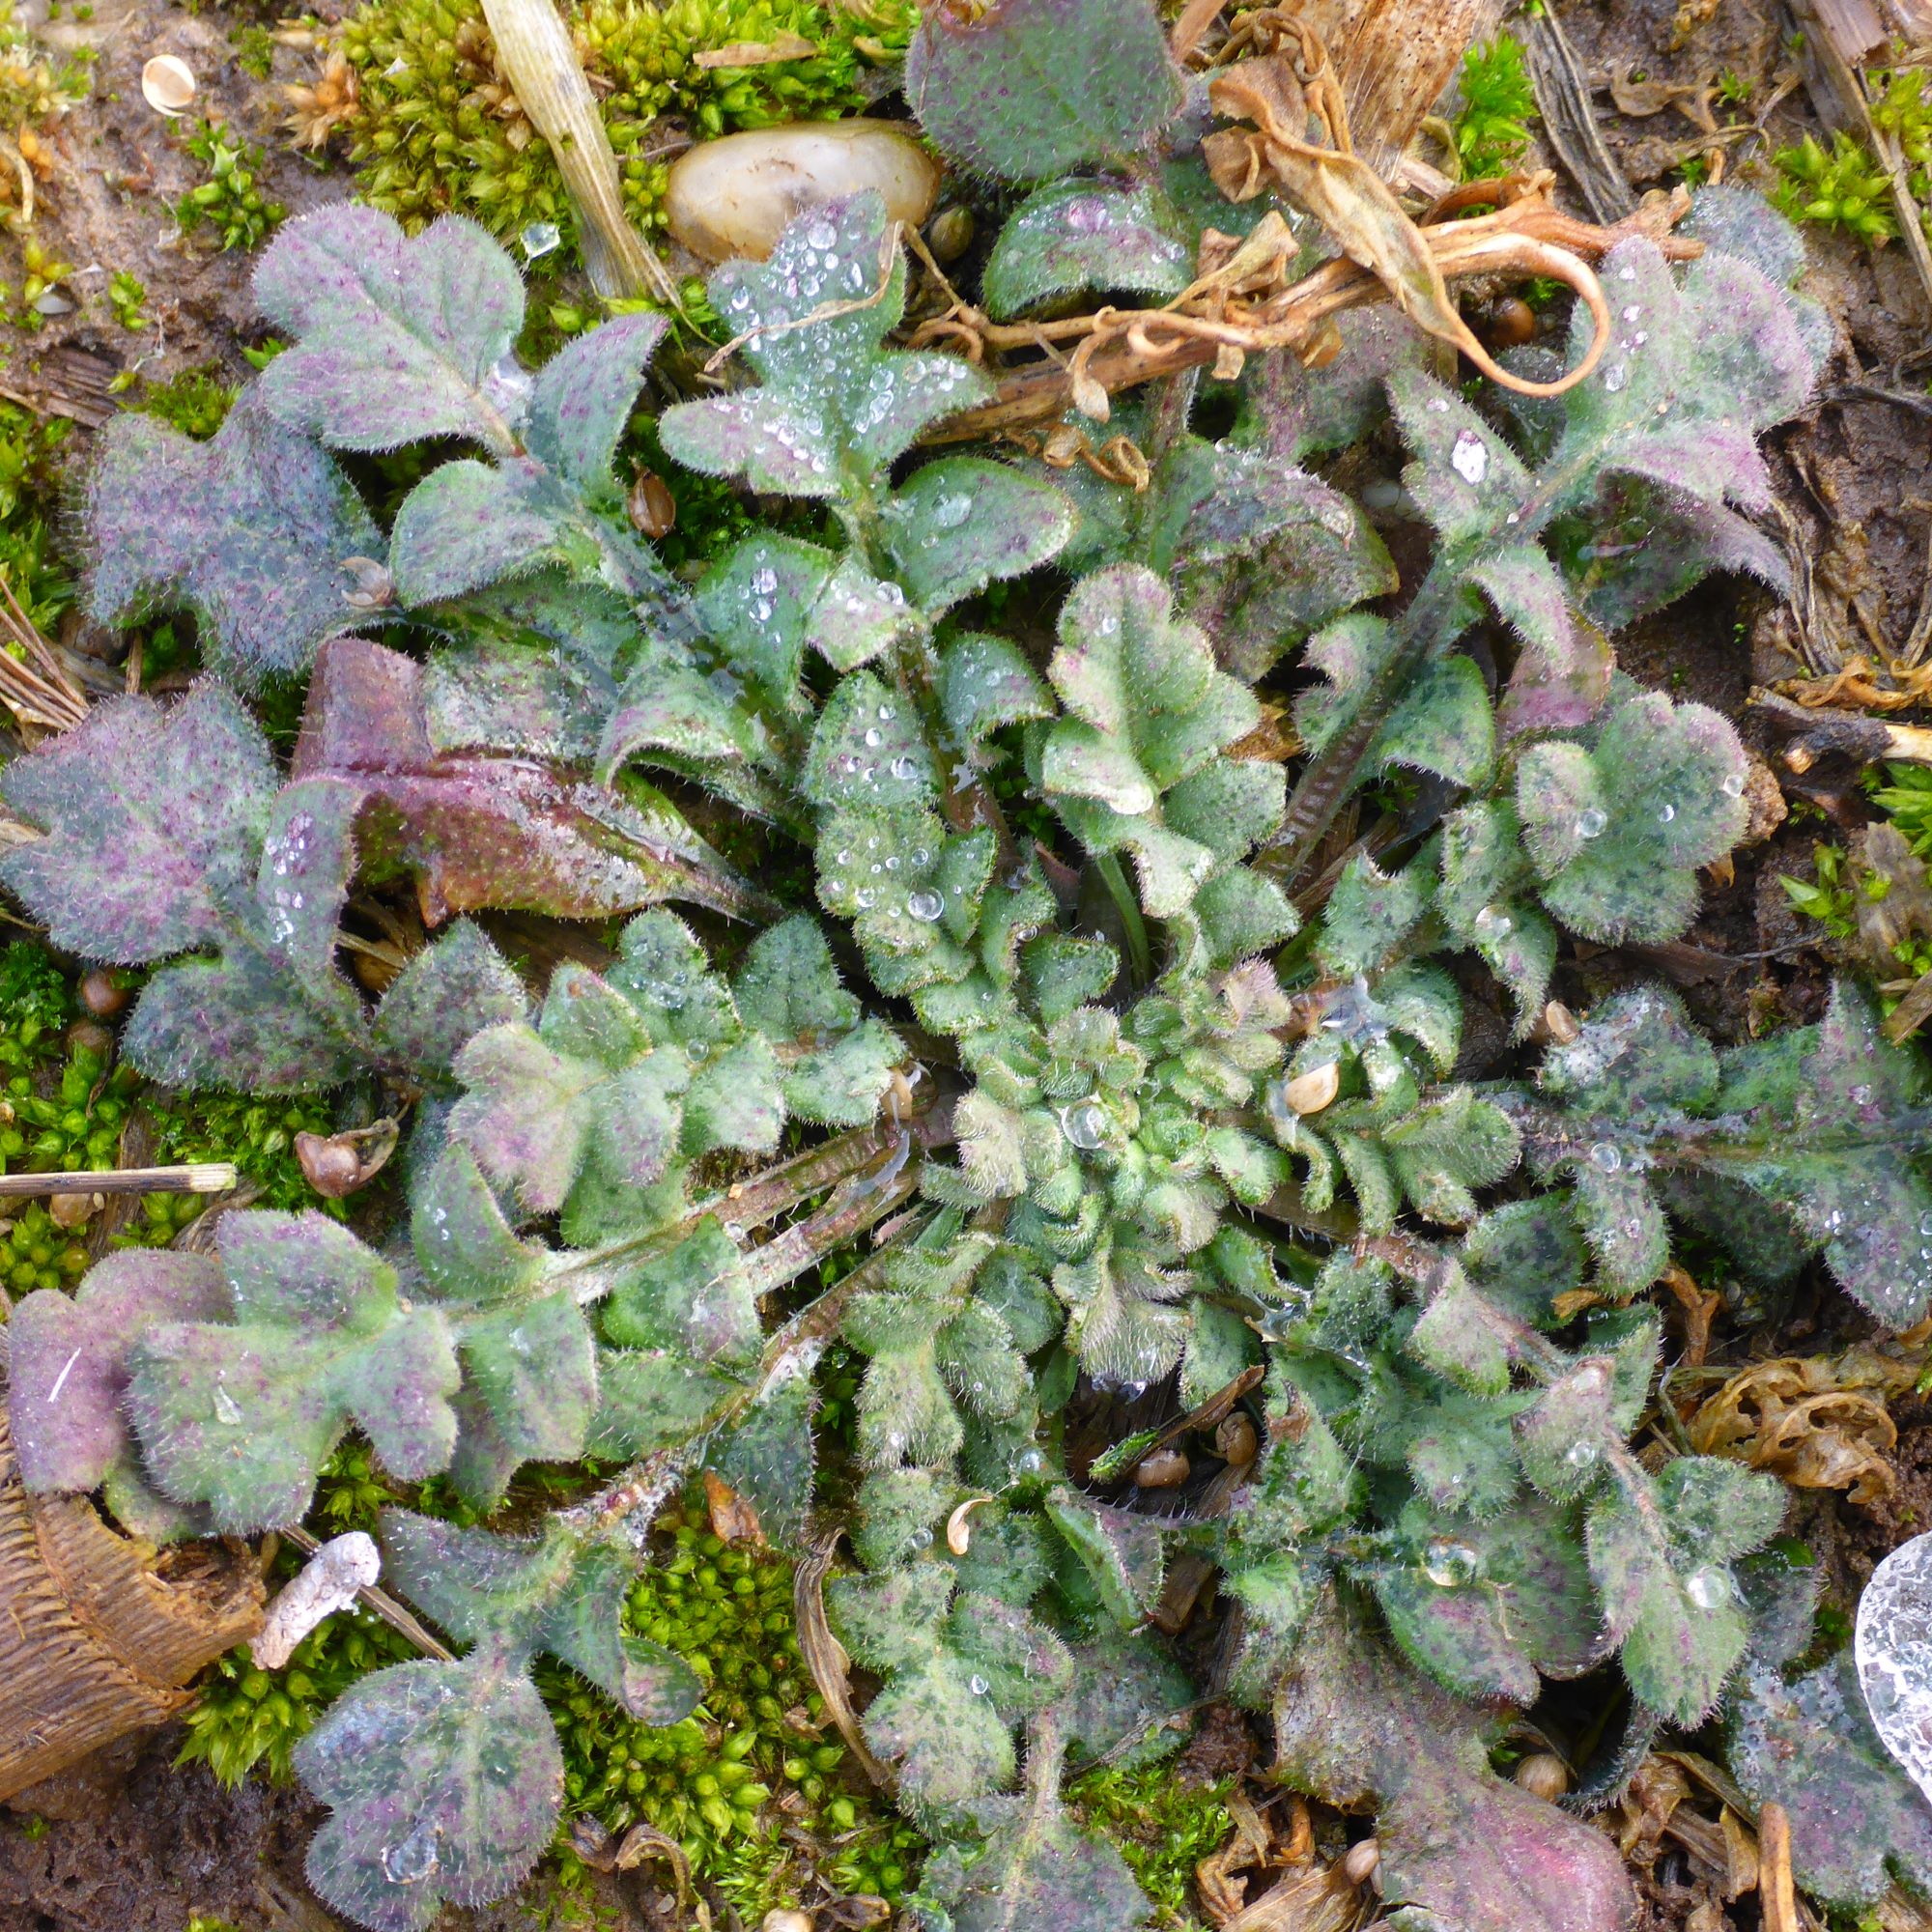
1359,1863
90,1035
338,1164
100,994
1309,1092
1163,1469
653,508
782,1918
1544,1774
1235,1440
1560,1023
958,1532
950,233
1512,323
72,1210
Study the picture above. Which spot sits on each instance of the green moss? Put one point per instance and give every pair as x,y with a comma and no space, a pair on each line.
1843,187
755,1752
248,1716
432,134
1907,798
1163,1826
37,86
196,402
1498,101
230,202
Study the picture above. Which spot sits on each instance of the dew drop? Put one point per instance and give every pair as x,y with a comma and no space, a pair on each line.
226,1408
414,1860
950,512
863,899
1616,377
978,1685
1591,822
1449,1564
1708,1587
1083,1125
1605,1158
924,906
764,580
1030,1461
540,237
1733,784
1470,457
905,768
1581,1454
872,738
1493,923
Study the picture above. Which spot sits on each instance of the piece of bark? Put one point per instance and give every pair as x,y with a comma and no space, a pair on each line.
1563,99
94,1643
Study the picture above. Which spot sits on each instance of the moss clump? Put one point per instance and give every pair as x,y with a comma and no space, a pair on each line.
39,577
259,1136
1164,1828
249,1717
196,402
1839,187
230,202
752,1757
1498,103
439,128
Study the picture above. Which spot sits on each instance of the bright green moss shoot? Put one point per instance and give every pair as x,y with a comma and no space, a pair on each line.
1164,1829
1498,101
437,130
750,1756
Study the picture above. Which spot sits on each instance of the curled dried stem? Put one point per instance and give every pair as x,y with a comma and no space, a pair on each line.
1088,358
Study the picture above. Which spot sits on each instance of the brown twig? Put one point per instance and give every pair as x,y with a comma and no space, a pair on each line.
1777,1897
38,691
210,1176
1119,349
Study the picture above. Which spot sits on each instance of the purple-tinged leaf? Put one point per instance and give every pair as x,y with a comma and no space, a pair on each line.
515,1595
834,407
454,987
667,705
155,819
469,524
1076,236
1466,478
1121,1551
68,1364
529,1393
583,1627
1852,1174
444,1782
398,338
775,597
1563,675
1031,89
963,522
531,666
1457,1842
250,532
166,833
1648,546
1855,1818
581,399
241,1416
480,831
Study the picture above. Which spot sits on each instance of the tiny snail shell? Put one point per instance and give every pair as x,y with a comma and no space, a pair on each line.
1234,1439
1163,1469
1309,1092
1545,1776
733,196
168,84
1358,1865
